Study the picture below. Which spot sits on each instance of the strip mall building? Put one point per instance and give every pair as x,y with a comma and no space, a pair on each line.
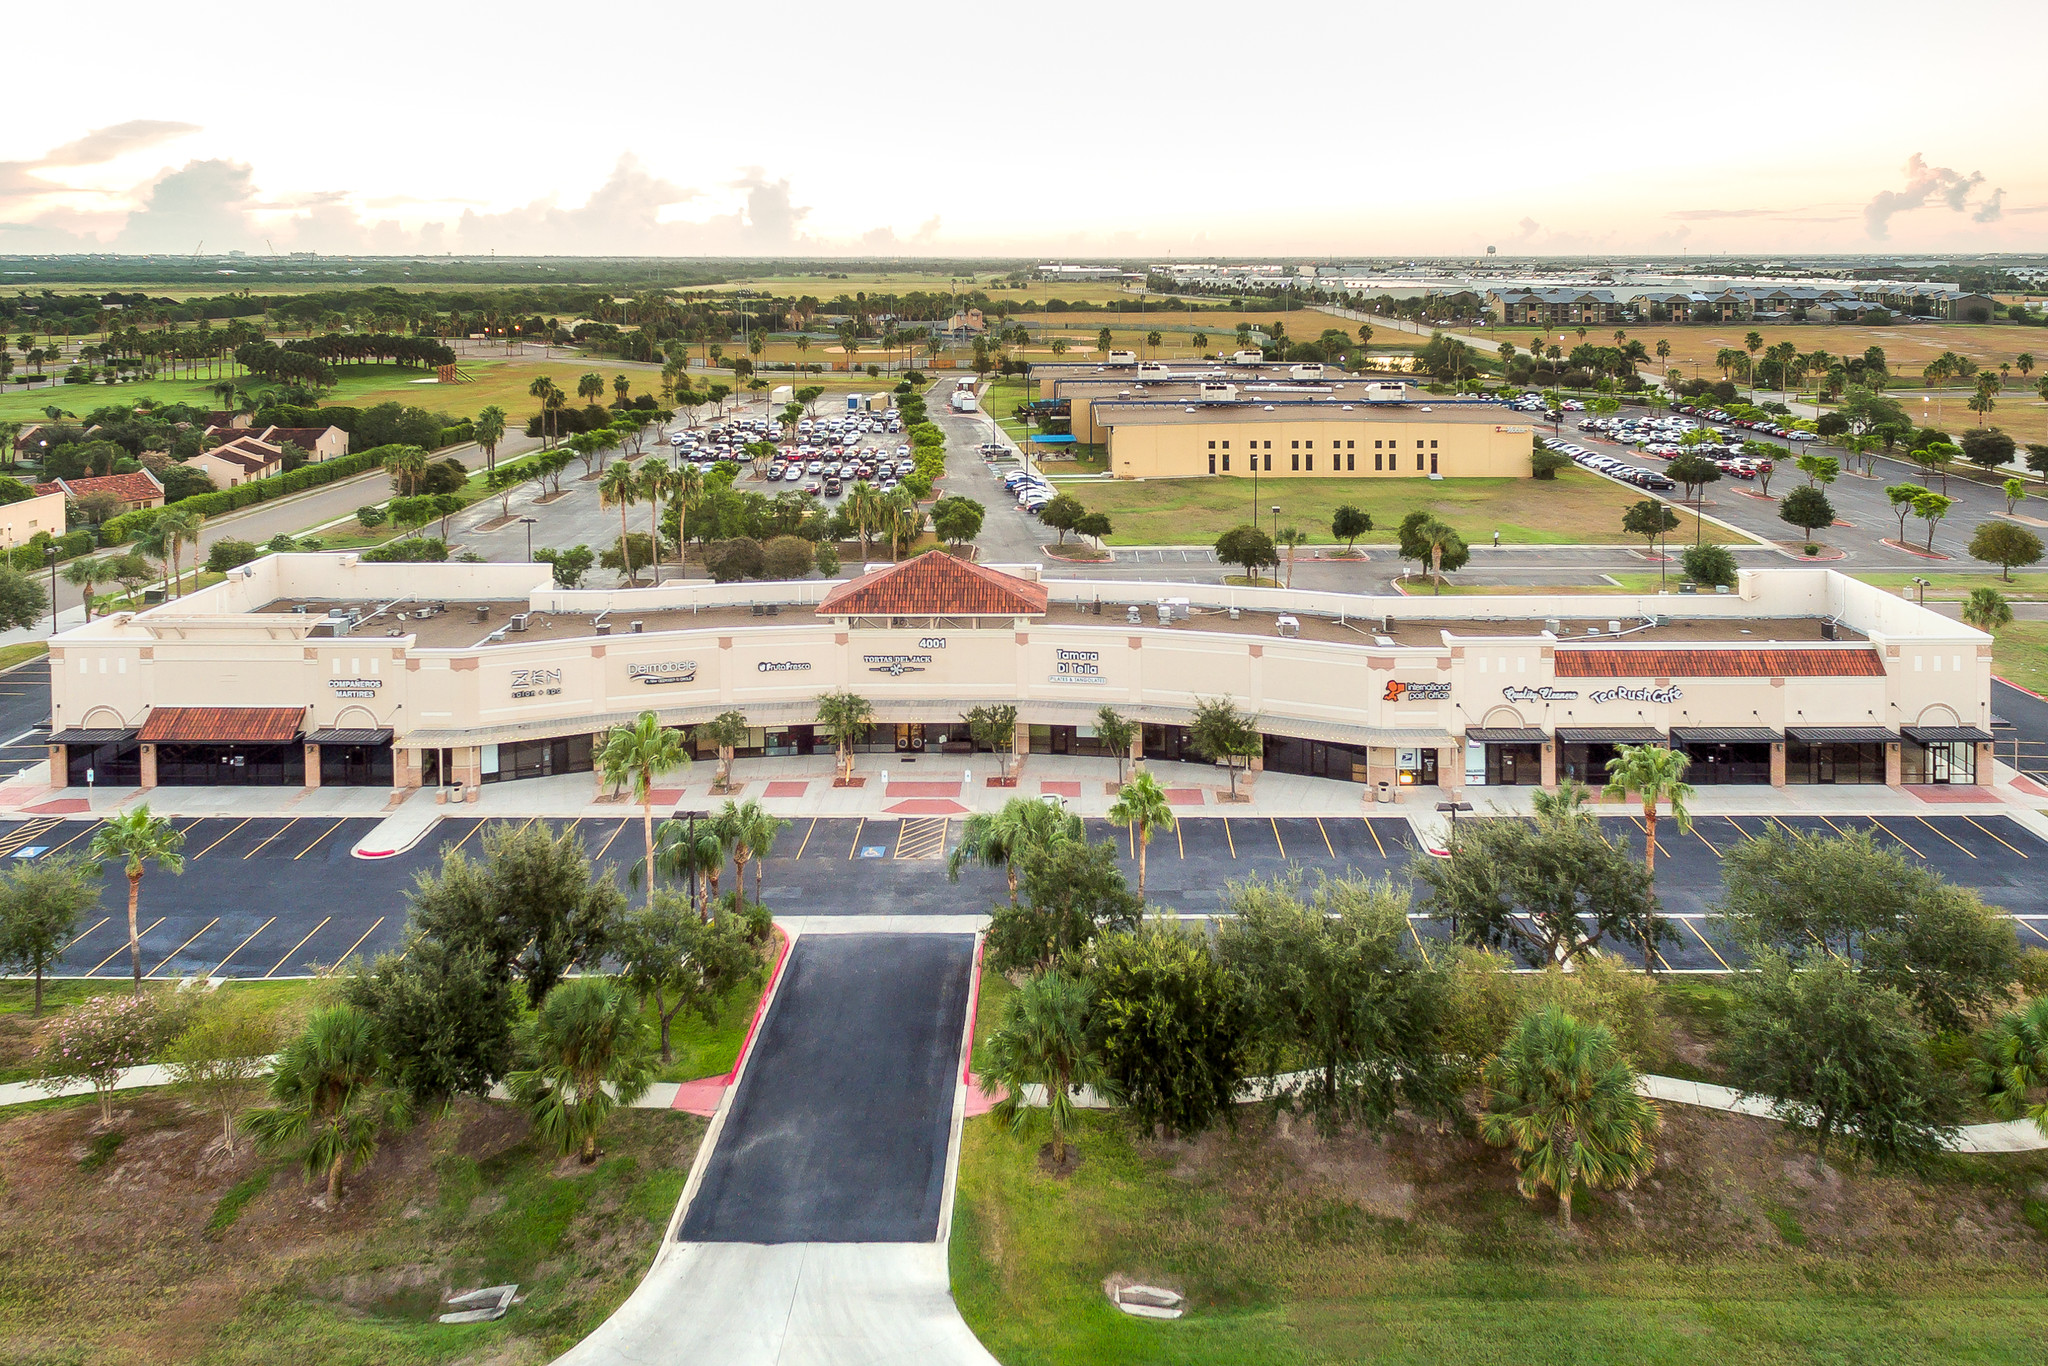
321,669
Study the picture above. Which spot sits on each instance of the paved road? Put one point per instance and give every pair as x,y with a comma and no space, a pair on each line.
280,897
839,1130
24,706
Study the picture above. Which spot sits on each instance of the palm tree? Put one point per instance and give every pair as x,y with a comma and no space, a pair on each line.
1987,609
1438,536
728,731
749,832
998,839
406,465
489,430
621,386
2012,1064
686,493
327,1093
1654,774
1291,537
846,718
1044,1041
590,388
654,482
1142,806
1561,1094
136,839
592,1053
620,488
636,753
680,850
82,573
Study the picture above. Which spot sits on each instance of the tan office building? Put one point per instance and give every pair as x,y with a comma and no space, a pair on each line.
1315,440
304,670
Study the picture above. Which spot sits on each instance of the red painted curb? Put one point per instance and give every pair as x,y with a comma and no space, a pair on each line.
761,1006
973,1015
2020,688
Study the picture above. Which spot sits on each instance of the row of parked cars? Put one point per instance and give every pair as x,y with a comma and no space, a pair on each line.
1663,437
1754,424
1033,491
1609,465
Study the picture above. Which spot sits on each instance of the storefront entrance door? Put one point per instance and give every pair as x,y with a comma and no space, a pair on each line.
910,738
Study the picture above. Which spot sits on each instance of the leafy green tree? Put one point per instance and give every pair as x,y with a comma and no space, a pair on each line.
1548,891
591,1055
1170,1021
845,718
41,903
23,601
1694,472
2011,1065
1425,539
1073,892
996,728
1044,1043
1248,547
1987,609
1141,806
1820,470
635,754
1847,896
1115,733
1838,1057
135,839
1987,447
226,1044
532,907
726,731
1649,519
99,1040
2005,545
998,839
681,962
1808,509
1348,523
1219,731
444,1014
1563,1097
567,566
957,520
1709,565
1931,508
328,1098
1332,987
1062,514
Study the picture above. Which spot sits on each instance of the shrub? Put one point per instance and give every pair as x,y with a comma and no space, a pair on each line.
99,1040
227,554
413,549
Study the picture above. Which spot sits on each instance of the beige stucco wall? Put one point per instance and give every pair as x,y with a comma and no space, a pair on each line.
19,522
1176,449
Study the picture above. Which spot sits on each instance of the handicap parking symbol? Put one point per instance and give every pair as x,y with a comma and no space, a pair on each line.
874,851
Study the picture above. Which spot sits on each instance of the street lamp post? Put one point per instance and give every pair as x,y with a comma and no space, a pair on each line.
50,554
692,817
528,523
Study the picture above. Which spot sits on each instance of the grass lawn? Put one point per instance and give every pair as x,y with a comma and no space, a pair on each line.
1416,1249
153,1248
283,1001
1576,507
11,655
356,386
2019,654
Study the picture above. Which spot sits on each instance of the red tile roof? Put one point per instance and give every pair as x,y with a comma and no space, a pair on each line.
935,584
1825,662
222,725
138,487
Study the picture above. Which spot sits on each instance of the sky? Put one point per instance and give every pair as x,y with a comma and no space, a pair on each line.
1061,130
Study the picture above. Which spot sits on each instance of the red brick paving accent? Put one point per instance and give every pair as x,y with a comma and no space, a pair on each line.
1593,662
926,806
1183,796
63,806
925,789
786,789
1053,789
700,1097
1939,794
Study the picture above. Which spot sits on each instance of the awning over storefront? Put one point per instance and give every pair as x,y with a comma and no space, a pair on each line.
1724,735
1505,735
222,725
1841,735
1610,735
87,736
1938,735
365,736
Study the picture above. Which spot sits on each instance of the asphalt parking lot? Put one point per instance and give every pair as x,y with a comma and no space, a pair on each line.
24,706
839,1130
282,897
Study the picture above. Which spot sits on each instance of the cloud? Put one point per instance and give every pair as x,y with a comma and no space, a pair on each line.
1696,215
201,202
1924,183
105,144
770,218
1527,229
1992,209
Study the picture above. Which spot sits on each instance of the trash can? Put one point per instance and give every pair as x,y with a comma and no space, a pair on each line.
1383,792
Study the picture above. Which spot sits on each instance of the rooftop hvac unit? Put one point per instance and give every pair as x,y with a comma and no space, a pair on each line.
1551,624
1166,614
1614,626
1135,617
637,627
483,611
604,628
517,622
1236,614
1828,630
302,609
1660,620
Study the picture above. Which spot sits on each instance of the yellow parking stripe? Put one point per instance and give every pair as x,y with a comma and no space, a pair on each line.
273,835
1895,835
806,840
1131,839
608,840
1994,835
1694,830
1703,939
1326,837
181,948
1227,837
467,833
1179,843
853,850
95,925
1944,834
1276,836
1420,947
353,947
1375,837
88,828
245,820
316,842
2031,930
123,949
300,945
243,945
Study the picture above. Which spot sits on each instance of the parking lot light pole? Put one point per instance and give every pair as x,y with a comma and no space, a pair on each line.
50,554
692,817
529,521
